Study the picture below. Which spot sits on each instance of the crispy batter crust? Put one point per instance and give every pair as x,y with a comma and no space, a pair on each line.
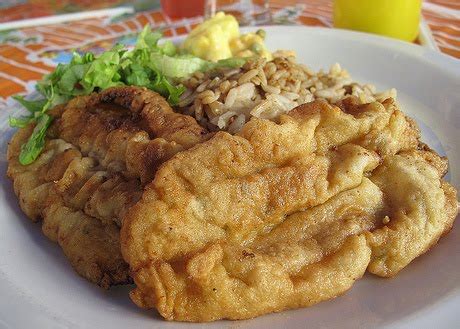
285,215
281,215
100,151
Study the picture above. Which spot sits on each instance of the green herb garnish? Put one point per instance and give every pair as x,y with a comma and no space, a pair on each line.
34,146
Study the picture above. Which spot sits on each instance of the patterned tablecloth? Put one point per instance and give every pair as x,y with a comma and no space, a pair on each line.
26,54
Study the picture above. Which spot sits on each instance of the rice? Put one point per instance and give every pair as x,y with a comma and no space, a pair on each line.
226,99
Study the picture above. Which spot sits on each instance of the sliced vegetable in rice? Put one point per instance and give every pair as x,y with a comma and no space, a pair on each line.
226,99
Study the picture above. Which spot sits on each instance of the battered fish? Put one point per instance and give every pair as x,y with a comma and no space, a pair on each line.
100,152
216,226
285,215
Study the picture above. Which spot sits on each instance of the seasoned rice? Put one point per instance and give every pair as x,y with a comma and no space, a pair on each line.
226,99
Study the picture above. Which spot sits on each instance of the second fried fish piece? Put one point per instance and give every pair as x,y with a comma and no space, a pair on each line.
283,215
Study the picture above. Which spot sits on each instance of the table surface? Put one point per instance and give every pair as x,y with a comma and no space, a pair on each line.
29,53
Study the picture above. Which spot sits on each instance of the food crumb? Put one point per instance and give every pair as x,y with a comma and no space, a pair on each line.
386,220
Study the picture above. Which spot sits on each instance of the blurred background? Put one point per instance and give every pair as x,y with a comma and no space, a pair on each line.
35,35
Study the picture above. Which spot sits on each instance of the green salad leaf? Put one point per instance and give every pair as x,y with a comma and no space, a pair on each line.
31,106
150,64
21,121
148,39
183,65
34,146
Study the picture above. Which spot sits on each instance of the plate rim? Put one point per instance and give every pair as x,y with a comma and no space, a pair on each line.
447,63
381,41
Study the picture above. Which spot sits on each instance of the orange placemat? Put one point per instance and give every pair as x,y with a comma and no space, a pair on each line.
26,54
13,10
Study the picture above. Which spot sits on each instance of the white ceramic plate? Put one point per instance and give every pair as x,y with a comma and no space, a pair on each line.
38,288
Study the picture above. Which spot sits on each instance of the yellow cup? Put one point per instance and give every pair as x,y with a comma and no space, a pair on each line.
394,18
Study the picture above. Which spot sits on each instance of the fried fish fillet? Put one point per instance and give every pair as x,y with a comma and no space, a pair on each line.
421,208
285,215
100,152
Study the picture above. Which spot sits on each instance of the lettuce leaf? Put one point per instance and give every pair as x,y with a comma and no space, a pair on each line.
148,38
21,121
185,65
31,106
36,142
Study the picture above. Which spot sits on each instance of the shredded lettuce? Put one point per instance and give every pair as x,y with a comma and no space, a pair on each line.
184,65
21,121
31,106
149,64
176,67
36,142
148,39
